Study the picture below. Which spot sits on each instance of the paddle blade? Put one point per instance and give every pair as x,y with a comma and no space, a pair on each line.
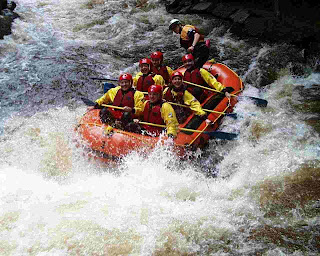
259,102
107,86
222,135
233,115
88,102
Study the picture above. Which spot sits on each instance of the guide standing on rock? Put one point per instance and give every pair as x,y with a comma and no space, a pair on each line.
192,40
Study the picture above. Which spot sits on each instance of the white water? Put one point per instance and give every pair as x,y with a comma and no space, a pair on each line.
54,201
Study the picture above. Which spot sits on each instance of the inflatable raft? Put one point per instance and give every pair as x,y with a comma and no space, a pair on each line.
111,145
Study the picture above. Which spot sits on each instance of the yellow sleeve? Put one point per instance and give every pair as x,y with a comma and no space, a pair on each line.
170,71
169,116
159,80
109,96
194,104
138,103
136,78
211,80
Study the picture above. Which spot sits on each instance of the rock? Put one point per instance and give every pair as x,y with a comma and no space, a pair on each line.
224,11
6,18
240,16
202,7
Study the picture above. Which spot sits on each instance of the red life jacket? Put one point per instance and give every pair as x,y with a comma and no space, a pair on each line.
194,76
122,99
162,71
182,113
152,114
144,82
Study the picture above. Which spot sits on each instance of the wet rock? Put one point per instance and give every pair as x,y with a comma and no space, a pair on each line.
202,7
7,16
265,21
273,63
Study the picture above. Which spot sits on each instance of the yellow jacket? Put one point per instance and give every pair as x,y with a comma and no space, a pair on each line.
211,80
157,79
109,96
169,117
190,101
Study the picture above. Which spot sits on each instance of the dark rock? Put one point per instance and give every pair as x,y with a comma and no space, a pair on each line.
269,65
240,16
5,26
202,7
224,11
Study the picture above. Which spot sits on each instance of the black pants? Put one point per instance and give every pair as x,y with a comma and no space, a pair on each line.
200,54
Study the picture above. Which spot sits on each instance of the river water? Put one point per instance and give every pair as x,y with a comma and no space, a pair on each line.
264,199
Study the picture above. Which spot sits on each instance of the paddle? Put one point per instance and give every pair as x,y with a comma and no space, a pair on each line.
103,79
91,103
259,102
233,115
215,134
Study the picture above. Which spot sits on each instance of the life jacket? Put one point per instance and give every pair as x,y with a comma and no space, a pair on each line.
194,76
152,114
122,99
185,40
162,71
182,113
144,82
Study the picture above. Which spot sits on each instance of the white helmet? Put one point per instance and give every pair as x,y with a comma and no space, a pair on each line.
174,22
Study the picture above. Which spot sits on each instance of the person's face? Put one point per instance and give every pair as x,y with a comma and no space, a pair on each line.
156,62
177,82
144,68
125,85
188,63
154,97
176,29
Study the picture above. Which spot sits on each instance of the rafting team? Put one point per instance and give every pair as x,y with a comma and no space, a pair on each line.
157,95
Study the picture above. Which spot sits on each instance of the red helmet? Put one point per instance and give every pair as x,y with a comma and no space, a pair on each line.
176,73
157,55
187,57
155,88
145,61
125,76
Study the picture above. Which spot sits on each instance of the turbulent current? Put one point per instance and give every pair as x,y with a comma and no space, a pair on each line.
257,195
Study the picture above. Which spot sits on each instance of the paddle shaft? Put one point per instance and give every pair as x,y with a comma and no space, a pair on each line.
207,110
163,126
259,102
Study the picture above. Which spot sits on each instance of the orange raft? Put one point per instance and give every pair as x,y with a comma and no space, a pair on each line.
112,146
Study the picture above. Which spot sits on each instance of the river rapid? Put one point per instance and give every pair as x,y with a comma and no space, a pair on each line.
257,195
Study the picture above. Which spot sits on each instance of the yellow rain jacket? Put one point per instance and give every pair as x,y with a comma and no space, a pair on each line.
169,117
157,79
189,100
211,80
109,96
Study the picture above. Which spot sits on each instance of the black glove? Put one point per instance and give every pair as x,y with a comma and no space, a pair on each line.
227,89
97,106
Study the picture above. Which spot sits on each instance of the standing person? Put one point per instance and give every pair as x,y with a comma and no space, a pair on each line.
121,96
158,67
158,112
201,77
145,78
178,93
192,40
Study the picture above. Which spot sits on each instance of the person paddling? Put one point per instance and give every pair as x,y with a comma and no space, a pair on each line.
158,67
178,93
121,96
145,78
158,112
192,40
201,77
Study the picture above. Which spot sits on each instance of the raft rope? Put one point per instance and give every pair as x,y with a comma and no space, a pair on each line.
121,132
228,105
